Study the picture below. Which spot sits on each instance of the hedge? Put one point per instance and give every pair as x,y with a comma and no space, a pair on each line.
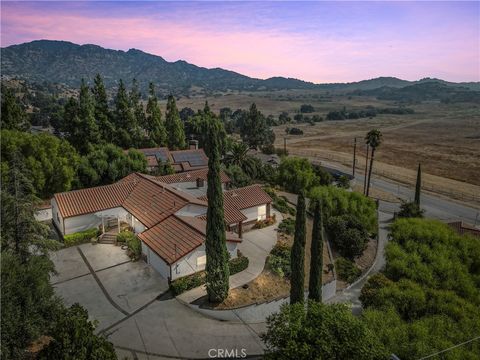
347,270
80,237
195,280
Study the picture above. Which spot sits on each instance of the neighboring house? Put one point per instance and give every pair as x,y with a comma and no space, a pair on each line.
181,160
169,222
244,206
192,182
464,228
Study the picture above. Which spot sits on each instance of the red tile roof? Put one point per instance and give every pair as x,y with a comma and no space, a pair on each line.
239,199
190,176
79,202
176,236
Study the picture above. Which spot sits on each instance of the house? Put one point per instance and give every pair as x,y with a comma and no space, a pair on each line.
244,206
464,228
192,182
181,160
169,221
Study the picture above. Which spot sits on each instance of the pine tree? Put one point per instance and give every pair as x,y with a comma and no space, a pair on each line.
418,186
138,115
13,115
297,258
102,112
174,126
88,133
124,119
154,126
316,255
217,271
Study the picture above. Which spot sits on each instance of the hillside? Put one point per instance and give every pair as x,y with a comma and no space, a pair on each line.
66,63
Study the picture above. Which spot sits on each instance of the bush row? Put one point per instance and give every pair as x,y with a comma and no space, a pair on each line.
80,237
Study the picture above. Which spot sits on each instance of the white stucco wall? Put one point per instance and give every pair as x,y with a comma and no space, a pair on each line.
251,213
81,223
156,261
56,216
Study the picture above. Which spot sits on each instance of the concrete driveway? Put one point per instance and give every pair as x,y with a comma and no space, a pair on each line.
130,302
103,279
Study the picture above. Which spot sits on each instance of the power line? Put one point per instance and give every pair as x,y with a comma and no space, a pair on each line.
450,348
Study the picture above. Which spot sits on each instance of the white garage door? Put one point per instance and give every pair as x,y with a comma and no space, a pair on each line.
262,212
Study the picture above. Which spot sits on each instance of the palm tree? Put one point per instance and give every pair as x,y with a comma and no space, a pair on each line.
238,155
373,139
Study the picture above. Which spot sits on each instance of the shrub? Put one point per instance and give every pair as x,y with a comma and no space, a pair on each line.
348,235
187,283
123,236
260,224
282,205
238,264
347,270
80,237
307,108
279,260
135,246
287,226
410,210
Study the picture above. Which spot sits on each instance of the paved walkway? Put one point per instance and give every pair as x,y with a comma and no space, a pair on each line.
256,245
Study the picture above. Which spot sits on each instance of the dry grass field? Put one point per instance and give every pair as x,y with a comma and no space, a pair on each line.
444,138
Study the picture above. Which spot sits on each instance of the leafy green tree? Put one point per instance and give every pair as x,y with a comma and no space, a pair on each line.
237,177
174,126
337,201
348,234
373,139
296,174
103,115
238,155
418,186
254,130
297,279
324,332
51,162
155,127
13,114
108,163
316,256
217,271
186,113
124,117
74,338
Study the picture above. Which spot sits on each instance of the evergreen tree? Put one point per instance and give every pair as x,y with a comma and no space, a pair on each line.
13,115
254,130
88,133
102,112
154,126
297,258
124,119
174,126
418,186
138,115
316,255
217,271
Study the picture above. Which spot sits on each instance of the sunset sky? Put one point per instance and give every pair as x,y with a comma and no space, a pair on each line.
313,41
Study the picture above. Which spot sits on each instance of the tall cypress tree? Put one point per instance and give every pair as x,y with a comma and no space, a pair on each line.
297,257
86,112
154,125
102,112
418,186
139,118
217,271
174,126
316,255
124,119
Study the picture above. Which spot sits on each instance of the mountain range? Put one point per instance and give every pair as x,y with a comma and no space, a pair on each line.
66,63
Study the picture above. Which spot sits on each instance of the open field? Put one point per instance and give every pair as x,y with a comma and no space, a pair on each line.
444,138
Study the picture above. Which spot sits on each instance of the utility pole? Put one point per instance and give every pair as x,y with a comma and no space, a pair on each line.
366,172
354,156
285,145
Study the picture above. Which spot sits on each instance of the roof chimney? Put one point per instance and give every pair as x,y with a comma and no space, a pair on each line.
193,144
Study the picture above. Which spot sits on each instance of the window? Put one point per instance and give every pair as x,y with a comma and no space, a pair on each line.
201,260
262,212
